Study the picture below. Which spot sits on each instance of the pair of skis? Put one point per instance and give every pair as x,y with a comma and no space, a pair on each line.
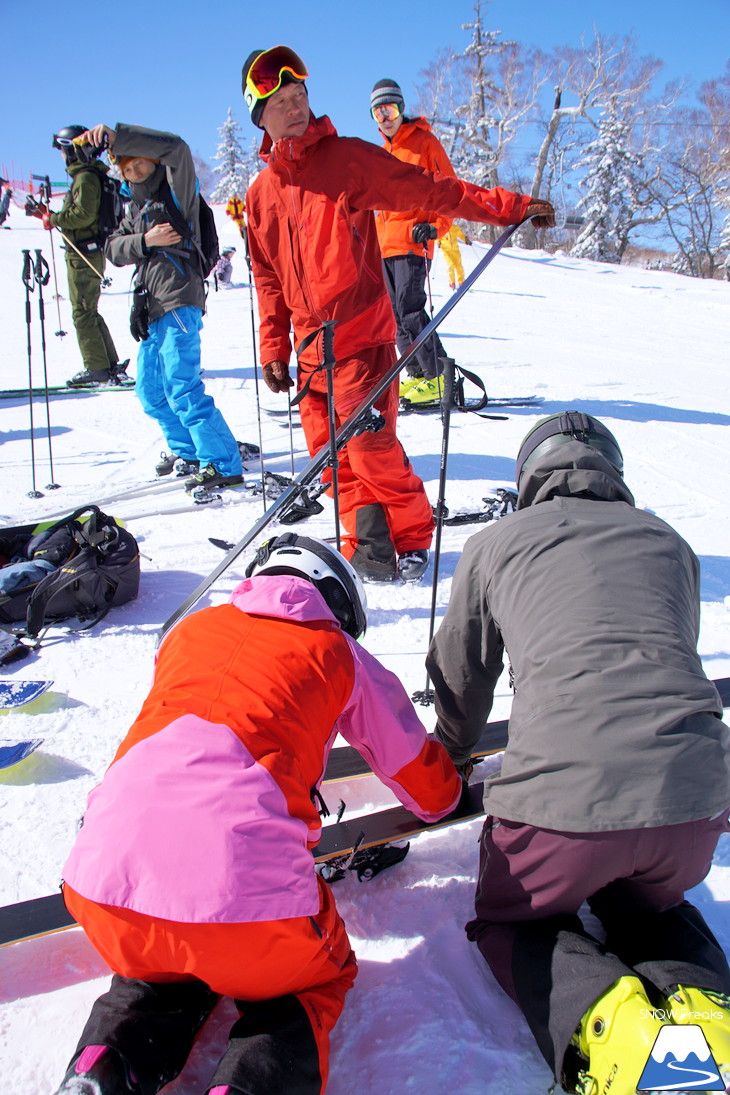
363,844
18,694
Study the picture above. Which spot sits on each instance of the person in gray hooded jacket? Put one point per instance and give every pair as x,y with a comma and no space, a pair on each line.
614,787
169,301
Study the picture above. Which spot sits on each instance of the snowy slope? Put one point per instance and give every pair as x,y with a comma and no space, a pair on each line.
645,351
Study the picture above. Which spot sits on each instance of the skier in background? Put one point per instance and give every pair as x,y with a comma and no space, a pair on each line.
315,258
449,245
614,787
78,219
223,269
406,240
192,874
4,200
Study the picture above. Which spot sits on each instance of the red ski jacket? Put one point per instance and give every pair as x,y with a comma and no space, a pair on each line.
314,247
414,142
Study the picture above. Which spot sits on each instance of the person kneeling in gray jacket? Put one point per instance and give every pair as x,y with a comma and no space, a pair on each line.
614,787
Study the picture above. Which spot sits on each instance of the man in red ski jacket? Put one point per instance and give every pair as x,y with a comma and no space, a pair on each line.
315,257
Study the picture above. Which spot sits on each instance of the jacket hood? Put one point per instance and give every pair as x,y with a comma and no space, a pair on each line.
283,596
293,148
407,127
144,191
573,470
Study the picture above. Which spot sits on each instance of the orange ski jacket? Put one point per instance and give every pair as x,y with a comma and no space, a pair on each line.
414,142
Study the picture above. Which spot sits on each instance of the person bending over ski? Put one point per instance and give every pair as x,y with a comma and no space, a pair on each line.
315,258
78,220
169,301
614,787
192,874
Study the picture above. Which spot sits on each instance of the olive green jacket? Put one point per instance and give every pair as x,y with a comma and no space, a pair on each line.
79,215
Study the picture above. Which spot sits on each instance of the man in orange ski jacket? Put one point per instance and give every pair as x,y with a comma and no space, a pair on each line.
315,258
407,238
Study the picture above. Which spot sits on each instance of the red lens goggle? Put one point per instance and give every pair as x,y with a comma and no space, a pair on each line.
265,75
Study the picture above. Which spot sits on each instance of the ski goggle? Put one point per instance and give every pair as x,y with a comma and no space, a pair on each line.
266,73
387,112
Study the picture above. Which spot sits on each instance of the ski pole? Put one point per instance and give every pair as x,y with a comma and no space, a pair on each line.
440,511
45,191
105,282
256,372
328,364
29,284
42,276
430,307
356,421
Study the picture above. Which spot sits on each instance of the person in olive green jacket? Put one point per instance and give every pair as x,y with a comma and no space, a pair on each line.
78,220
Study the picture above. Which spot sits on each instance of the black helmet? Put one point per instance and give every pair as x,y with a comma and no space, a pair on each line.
64,140
558,429
320,564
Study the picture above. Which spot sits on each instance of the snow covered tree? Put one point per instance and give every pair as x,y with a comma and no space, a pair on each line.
613,184
234,167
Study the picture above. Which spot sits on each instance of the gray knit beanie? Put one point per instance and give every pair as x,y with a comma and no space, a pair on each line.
386,91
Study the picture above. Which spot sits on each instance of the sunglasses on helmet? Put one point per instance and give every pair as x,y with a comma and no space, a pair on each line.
387,112
266,73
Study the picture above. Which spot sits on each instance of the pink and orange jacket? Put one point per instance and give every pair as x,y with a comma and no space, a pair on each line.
313,241
206,814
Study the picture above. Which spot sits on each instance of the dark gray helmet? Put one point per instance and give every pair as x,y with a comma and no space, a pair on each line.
64,140
558,429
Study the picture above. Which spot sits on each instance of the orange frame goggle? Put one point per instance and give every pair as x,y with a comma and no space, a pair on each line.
386,112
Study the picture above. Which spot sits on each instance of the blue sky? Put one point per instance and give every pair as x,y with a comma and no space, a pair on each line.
176,66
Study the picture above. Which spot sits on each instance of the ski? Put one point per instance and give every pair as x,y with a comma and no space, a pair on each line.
361,419
96,389
476,405
505,502
340,841
12,752
344,762
18,693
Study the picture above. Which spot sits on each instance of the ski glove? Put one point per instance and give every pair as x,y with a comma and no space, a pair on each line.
276,376
139,317
423,232
35,208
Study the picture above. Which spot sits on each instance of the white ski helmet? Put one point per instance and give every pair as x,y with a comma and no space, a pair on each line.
320,564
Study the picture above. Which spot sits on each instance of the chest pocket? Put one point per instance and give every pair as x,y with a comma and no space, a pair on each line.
331,249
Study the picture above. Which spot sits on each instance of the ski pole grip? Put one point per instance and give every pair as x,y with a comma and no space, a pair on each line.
328,343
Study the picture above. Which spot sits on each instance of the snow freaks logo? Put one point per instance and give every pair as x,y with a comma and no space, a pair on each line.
680,1060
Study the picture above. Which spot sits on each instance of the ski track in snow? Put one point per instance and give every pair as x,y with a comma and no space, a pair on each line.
645,351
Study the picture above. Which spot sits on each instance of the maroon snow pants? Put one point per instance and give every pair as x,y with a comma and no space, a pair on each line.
532,882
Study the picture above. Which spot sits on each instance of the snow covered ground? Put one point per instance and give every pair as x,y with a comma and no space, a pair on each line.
646,352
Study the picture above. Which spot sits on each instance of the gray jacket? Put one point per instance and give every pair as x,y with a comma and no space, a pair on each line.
614,724
171,275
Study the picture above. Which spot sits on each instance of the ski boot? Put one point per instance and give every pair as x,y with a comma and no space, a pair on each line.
407,384
412,565
711,1012
90,378
615,1038
99,1070
166,463
424,392
209,477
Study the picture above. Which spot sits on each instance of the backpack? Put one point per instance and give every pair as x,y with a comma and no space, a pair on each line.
111,206
209,249
89,566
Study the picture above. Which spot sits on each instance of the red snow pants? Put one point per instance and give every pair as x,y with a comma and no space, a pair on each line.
308,958
373,467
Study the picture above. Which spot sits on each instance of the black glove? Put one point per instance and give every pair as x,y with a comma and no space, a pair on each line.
423,232
139,317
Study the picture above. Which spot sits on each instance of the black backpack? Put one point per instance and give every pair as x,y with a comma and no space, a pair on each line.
97,567
209,249
111,207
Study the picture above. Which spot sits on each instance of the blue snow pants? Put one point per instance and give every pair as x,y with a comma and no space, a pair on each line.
171,391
